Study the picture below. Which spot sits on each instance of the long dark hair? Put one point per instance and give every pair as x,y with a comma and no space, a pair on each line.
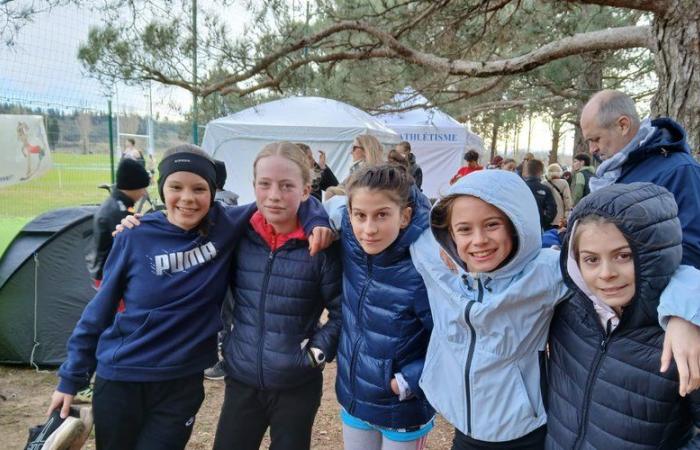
393,180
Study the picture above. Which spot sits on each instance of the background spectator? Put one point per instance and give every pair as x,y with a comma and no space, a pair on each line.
544,197
582,175
322,176
415,170
561,192
226,198
509,164
496,162
471,164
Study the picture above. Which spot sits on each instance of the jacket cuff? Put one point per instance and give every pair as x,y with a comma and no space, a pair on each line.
680,298
67,386
404,389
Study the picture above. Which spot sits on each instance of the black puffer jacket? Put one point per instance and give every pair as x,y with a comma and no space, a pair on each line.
605,389
278,297
110,214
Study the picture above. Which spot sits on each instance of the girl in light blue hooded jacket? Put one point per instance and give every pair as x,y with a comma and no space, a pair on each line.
485,361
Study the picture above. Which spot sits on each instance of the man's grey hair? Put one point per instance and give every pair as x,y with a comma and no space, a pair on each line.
613,105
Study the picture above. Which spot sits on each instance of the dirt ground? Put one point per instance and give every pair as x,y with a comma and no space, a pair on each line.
24,396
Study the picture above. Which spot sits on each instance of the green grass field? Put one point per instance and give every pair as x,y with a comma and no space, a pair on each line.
72,181
9,226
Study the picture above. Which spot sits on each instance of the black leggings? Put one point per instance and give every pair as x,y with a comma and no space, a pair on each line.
531,441
155,415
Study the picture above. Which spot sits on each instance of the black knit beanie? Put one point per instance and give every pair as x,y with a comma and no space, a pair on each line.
220,174
132,175
187,162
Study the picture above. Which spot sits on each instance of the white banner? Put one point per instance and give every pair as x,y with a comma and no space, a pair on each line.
24,149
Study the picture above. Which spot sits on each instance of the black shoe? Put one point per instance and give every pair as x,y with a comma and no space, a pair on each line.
216,372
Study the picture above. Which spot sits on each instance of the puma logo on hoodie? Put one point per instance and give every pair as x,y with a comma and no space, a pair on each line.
181,261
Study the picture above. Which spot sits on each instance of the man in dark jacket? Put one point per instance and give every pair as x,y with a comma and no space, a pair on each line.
544,197
655,151
132,181
404,148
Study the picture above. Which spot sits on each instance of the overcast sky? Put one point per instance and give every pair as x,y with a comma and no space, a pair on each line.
42,69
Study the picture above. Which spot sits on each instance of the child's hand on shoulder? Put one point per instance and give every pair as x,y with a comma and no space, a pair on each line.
321,238
129,221
682,343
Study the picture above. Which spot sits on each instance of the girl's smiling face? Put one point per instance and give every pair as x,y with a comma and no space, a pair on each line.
606,262
187,199
482,234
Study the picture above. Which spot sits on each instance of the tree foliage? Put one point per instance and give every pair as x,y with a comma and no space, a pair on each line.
469,56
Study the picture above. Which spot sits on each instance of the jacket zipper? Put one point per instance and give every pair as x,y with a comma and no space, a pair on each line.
353,359
261,317
470,355
588,392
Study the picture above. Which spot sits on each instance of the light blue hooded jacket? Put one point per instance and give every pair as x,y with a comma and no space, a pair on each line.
483,366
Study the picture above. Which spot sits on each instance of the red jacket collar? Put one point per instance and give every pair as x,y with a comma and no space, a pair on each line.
267,232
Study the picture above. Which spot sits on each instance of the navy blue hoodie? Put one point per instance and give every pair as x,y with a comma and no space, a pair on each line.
172,282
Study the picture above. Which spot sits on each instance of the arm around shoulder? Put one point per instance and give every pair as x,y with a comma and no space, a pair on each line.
331,289
681,298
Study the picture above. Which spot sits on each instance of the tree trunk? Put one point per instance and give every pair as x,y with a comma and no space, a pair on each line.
591,81
556,136
494,133
677,37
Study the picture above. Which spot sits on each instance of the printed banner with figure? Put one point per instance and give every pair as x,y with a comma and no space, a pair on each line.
24,149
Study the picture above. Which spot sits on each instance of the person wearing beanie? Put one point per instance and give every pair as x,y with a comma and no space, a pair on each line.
132,181
226,198
496,162
171,274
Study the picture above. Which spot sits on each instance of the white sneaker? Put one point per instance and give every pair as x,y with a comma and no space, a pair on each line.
83,413
65,436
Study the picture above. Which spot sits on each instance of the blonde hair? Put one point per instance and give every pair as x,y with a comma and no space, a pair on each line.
315,173
289,151
374,152
554,171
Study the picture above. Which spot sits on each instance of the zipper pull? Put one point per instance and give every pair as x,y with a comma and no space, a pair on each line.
608,331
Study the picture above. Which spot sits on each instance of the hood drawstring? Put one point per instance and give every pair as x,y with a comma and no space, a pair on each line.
486,284
465,280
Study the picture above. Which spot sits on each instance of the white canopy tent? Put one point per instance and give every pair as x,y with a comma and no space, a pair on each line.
321,123
437,140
